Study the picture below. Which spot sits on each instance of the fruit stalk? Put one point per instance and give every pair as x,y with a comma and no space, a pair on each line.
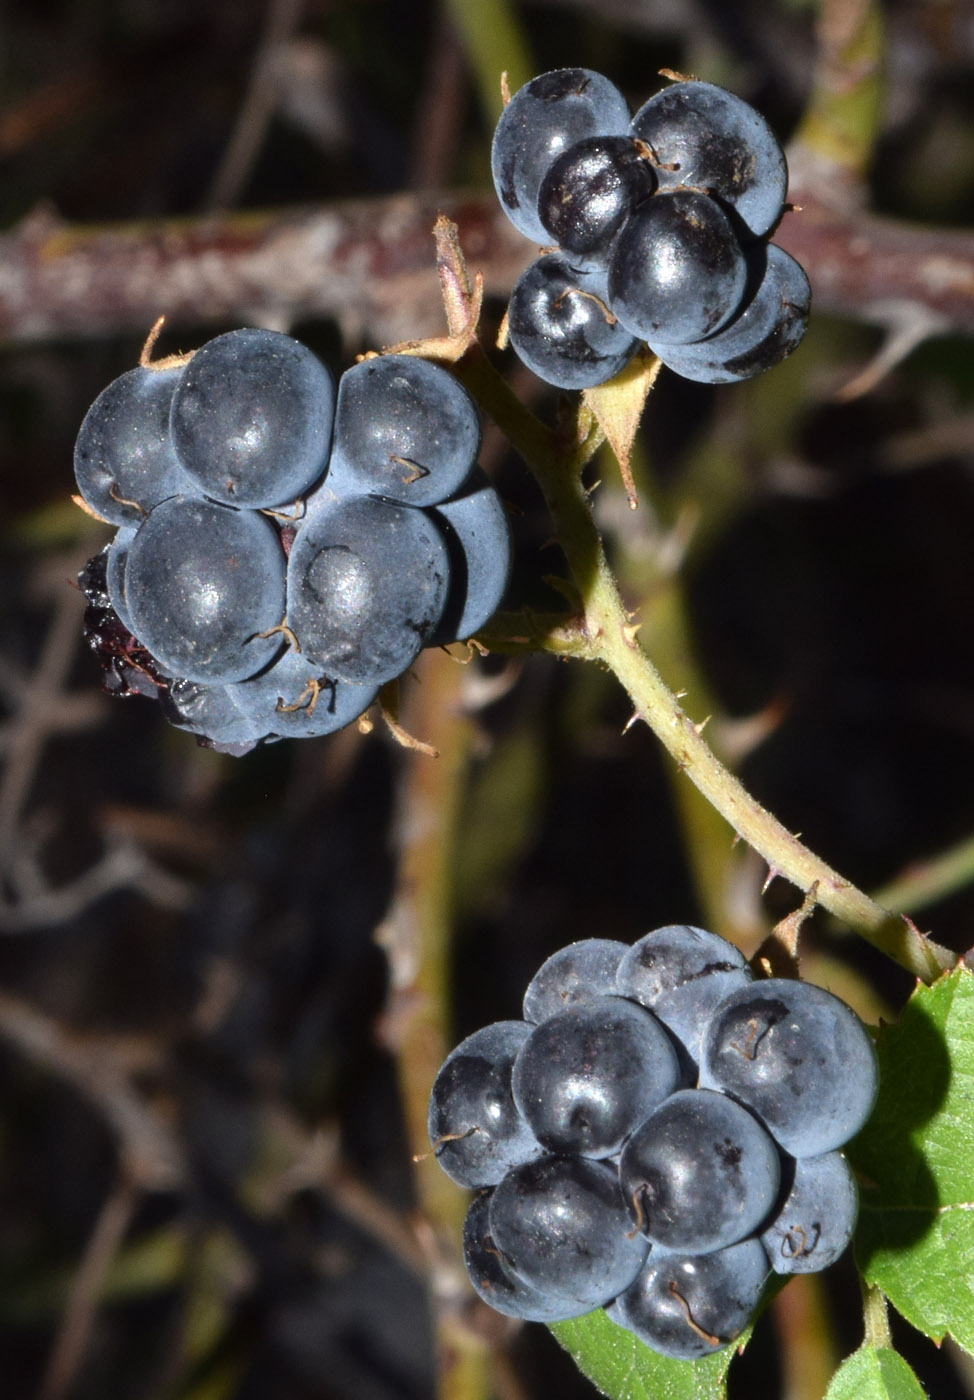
609,637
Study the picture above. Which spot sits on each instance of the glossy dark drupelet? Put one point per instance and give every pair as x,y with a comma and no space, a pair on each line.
703,136
797,1056
474,1125
766,329
202,582
588,1076
561,1225
367,581
677,270
687,1306
590,191
700,1173
542,119
252,417
561,326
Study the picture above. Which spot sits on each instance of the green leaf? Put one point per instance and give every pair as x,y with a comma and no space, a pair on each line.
623,1368
915,1238
874,1374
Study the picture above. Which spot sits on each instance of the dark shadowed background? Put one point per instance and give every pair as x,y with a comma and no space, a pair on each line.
218,974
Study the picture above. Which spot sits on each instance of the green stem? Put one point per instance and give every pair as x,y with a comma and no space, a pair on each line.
494,42
524,633
926,881
807,1345
875,1316
609,637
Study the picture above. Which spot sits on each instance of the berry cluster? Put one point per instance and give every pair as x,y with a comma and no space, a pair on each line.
662,226
282,552
657,1134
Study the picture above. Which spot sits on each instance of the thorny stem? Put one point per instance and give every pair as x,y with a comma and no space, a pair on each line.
605,632
607,635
